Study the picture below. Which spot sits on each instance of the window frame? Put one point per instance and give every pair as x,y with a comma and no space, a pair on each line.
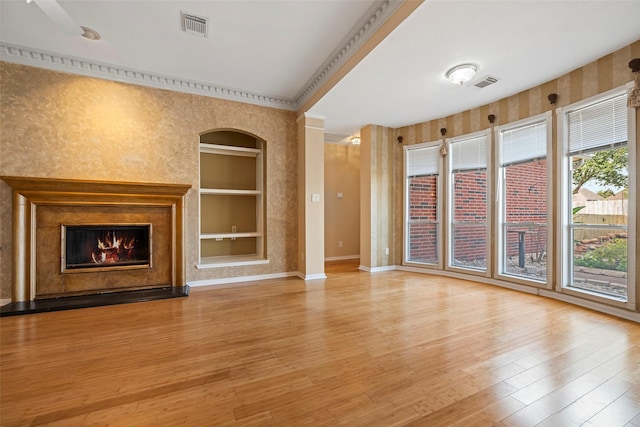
563,202
449,209
439,204
500,199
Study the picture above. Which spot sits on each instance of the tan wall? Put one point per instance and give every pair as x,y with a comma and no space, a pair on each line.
66,126
341,216
377,186
606,73
310,183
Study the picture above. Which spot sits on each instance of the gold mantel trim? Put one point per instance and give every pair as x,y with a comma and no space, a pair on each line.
20,184
29,192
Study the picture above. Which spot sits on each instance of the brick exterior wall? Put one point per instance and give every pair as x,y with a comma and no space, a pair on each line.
470,206
423,205
526,201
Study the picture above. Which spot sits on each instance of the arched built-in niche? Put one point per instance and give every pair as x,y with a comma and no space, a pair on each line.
232,198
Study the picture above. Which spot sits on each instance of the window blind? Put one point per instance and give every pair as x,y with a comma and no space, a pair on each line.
469,154
601,124
423,161
524,143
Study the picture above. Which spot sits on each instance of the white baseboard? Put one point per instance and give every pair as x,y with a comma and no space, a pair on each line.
228,280
603,308
377,269
339,258
312,276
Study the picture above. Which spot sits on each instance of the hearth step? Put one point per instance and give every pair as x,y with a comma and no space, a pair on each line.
97,300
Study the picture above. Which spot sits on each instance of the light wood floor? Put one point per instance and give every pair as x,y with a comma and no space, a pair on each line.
356,349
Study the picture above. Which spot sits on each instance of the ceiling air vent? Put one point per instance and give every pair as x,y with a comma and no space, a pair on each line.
194,24
485,81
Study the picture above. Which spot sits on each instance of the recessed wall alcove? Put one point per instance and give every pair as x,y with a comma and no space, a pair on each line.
44,209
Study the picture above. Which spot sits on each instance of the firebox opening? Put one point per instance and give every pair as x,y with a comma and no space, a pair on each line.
105,247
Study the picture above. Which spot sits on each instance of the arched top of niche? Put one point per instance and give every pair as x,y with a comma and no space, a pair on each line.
231,137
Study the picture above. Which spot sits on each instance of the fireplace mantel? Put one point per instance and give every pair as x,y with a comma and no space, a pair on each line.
36,199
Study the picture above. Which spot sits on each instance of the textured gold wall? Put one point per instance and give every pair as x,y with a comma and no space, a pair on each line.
66,126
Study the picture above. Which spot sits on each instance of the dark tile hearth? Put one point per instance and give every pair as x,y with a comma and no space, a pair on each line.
97,300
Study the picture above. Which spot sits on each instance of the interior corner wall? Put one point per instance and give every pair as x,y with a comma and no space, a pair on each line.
61,125
341,214
311,196
376,203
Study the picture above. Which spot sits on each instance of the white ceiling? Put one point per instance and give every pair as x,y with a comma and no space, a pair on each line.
276,53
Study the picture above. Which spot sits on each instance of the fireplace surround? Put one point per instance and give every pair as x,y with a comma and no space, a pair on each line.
48,212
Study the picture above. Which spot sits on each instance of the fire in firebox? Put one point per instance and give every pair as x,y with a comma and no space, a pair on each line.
113,245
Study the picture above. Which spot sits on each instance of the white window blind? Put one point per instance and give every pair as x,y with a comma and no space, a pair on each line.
423,161
601,124
523,143
469,154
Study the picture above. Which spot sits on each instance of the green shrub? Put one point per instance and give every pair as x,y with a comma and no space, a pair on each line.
610,256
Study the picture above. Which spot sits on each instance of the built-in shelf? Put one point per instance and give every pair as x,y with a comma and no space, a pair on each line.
230,261
229,150
230,191
231,197
229,235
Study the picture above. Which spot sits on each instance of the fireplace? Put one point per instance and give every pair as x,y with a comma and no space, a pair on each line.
80,238
105,247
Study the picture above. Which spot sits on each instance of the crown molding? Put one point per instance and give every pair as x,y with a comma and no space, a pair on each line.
57,62
363,30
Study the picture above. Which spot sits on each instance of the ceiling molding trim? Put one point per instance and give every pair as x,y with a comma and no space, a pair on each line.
365,28
57,62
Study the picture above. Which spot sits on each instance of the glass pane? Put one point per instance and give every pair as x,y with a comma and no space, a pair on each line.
423,217
423,243
525,251
469,243
525,214
600,198
470,246
423,198
600,261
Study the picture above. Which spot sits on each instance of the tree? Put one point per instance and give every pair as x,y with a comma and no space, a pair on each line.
607,167
607,192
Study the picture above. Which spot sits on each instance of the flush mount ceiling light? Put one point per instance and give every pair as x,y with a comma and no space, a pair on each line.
461,74
355,140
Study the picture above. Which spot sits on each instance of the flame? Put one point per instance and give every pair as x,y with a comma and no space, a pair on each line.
110,249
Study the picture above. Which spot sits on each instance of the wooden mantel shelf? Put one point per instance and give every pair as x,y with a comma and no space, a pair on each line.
20,184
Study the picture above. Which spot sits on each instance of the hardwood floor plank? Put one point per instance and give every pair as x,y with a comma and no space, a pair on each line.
620,412
461,407
554,402
356,349
578,412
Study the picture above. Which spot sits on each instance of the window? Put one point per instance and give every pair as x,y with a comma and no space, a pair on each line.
597,198
422,204
468,213
523,206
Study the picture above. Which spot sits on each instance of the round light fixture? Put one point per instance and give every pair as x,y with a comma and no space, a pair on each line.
355,140
461,74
